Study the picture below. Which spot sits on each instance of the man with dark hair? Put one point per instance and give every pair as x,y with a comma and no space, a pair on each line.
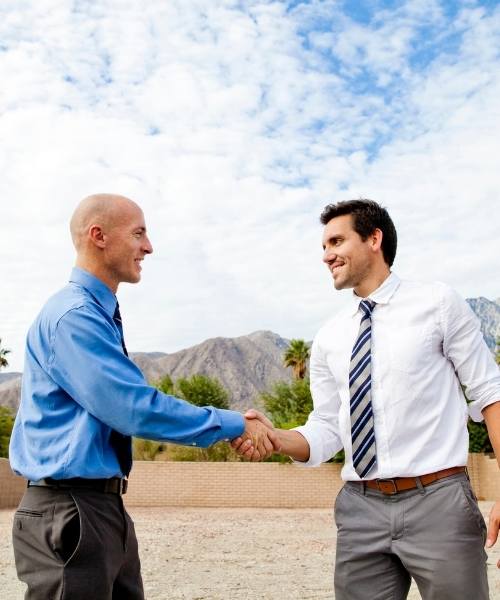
386,377
82,400
367,216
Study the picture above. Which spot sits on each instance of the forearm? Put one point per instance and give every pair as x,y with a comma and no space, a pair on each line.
293,444
491,416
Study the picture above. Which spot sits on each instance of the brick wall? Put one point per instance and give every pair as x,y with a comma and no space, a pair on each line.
232,485
268,485
11,487
485,476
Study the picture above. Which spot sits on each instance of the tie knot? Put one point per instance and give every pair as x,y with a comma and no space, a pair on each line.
367,307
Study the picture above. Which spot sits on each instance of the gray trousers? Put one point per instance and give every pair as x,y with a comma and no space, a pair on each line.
76,545
434,534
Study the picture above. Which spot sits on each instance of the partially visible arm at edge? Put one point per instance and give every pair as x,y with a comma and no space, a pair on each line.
491,416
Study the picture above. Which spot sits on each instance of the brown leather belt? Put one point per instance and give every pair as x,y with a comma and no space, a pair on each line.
402,484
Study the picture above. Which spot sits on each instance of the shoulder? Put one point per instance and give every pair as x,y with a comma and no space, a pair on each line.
68,304
425,292
408,286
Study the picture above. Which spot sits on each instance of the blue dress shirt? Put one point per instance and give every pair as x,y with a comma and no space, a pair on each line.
78,386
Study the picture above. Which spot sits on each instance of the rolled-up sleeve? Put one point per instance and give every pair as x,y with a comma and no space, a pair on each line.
88,363
321,429
464,346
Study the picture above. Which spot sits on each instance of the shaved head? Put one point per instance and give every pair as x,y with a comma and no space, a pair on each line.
110,237
104,210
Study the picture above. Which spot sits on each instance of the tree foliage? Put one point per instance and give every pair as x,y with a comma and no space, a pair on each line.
147,449
3,353
288,404
479,440
199,390
165,385
6,424
296,357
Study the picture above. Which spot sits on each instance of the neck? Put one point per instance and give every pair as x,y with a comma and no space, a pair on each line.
372,282
97,270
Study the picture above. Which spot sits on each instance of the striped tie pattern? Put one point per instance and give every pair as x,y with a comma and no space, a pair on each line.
362,429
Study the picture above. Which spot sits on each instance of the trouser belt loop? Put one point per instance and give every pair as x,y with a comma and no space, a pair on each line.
420,486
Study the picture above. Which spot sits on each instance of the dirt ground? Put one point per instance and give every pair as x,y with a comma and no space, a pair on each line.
230,554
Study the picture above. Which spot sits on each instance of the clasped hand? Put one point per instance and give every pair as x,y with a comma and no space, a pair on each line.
259,441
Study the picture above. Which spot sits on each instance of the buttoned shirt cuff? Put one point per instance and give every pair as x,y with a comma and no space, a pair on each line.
476,408
314,448
232,424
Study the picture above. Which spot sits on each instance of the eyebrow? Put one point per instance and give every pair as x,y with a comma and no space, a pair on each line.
333,239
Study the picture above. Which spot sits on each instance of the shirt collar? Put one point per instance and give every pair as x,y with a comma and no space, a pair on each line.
99,290
382,295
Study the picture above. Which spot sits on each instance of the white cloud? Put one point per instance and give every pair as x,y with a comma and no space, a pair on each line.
233,125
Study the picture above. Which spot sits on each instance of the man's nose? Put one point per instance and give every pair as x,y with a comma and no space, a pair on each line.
147,248
328,255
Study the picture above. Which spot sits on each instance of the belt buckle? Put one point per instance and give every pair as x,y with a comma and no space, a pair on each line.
390,492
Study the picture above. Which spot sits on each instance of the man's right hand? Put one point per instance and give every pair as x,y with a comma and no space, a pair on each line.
260,439
292,443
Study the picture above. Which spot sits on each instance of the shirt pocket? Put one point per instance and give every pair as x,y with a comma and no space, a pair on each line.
409,349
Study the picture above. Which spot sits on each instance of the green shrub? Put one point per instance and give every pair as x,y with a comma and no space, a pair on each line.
6,424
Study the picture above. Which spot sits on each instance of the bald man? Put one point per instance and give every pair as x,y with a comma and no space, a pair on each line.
82,399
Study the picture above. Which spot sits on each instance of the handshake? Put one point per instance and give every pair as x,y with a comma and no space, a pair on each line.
260,440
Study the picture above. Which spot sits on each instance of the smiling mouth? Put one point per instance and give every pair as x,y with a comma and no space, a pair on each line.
335,268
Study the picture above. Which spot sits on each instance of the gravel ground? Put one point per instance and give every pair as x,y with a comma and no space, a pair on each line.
231,554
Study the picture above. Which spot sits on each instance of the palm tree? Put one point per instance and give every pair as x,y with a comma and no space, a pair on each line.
3,352
296,356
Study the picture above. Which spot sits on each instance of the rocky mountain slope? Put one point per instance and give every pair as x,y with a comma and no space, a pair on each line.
10,391
488,312
244,365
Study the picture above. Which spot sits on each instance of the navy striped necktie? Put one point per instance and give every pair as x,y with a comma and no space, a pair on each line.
121,444
364,456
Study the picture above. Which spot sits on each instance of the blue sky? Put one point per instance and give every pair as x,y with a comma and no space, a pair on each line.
233,124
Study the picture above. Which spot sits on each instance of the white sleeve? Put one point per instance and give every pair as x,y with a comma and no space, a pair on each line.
464,346
321,429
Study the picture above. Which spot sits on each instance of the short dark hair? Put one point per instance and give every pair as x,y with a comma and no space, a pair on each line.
367,216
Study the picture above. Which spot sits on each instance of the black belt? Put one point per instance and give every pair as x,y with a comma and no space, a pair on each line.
114,485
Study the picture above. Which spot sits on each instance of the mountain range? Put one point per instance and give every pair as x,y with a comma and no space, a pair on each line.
245,365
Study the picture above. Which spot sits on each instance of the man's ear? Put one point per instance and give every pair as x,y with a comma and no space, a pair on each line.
376,238
97,236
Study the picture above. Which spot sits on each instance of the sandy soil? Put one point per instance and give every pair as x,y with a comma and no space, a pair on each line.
235,554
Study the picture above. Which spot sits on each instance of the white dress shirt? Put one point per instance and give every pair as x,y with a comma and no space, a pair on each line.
425,342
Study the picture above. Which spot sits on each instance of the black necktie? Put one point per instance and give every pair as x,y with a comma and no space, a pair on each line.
121,444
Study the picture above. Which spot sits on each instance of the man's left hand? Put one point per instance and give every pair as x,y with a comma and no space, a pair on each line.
493,526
